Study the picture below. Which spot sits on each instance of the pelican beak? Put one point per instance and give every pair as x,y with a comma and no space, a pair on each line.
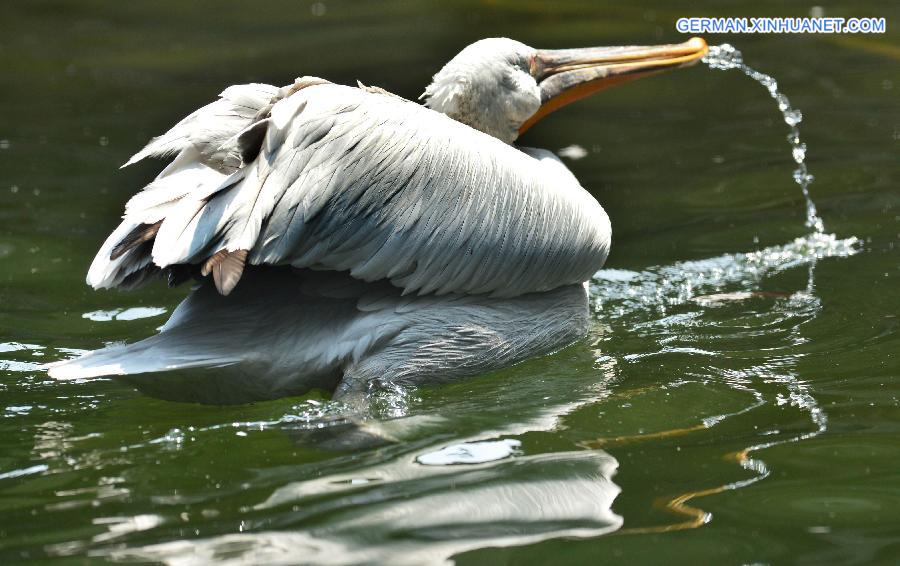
566,75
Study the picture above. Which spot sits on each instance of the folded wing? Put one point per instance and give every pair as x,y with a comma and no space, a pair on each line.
344,179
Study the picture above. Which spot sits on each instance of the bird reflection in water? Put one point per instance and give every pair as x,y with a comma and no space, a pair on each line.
421,500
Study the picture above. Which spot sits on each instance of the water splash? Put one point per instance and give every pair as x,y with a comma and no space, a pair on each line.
637,296
725,57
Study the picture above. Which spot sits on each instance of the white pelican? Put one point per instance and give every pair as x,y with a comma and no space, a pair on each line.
347,238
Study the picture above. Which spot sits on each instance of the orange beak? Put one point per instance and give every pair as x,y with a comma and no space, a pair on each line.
567,75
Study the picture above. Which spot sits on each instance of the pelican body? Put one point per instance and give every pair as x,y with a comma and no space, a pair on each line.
346,238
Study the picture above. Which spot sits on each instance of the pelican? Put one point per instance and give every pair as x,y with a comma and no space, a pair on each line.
348,239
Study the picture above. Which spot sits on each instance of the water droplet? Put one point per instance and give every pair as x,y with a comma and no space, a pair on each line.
793,117
573,152
783,103
801,177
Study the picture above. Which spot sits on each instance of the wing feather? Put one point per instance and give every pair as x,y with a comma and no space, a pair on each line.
349,180
209,128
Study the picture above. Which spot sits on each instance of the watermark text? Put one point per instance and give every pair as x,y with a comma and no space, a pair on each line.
781,25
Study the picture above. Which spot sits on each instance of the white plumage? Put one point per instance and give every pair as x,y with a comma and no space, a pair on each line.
350,180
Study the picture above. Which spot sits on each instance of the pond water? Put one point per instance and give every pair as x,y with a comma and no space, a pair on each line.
736,401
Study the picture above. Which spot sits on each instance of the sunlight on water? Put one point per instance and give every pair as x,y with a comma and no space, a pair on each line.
470,453
618,292
669,305
725,57
133,313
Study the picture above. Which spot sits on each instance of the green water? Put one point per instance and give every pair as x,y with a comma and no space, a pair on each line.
737,401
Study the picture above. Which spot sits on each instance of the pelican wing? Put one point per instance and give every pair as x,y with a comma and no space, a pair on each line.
208,129
345,179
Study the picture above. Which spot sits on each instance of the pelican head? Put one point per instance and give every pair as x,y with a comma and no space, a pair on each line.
502,87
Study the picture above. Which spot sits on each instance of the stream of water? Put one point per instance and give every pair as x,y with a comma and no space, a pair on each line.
725,57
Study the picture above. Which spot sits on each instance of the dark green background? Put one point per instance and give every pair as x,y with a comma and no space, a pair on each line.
690,165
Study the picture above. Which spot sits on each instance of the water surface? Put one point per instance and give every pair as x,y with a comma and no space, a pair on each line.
736,402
